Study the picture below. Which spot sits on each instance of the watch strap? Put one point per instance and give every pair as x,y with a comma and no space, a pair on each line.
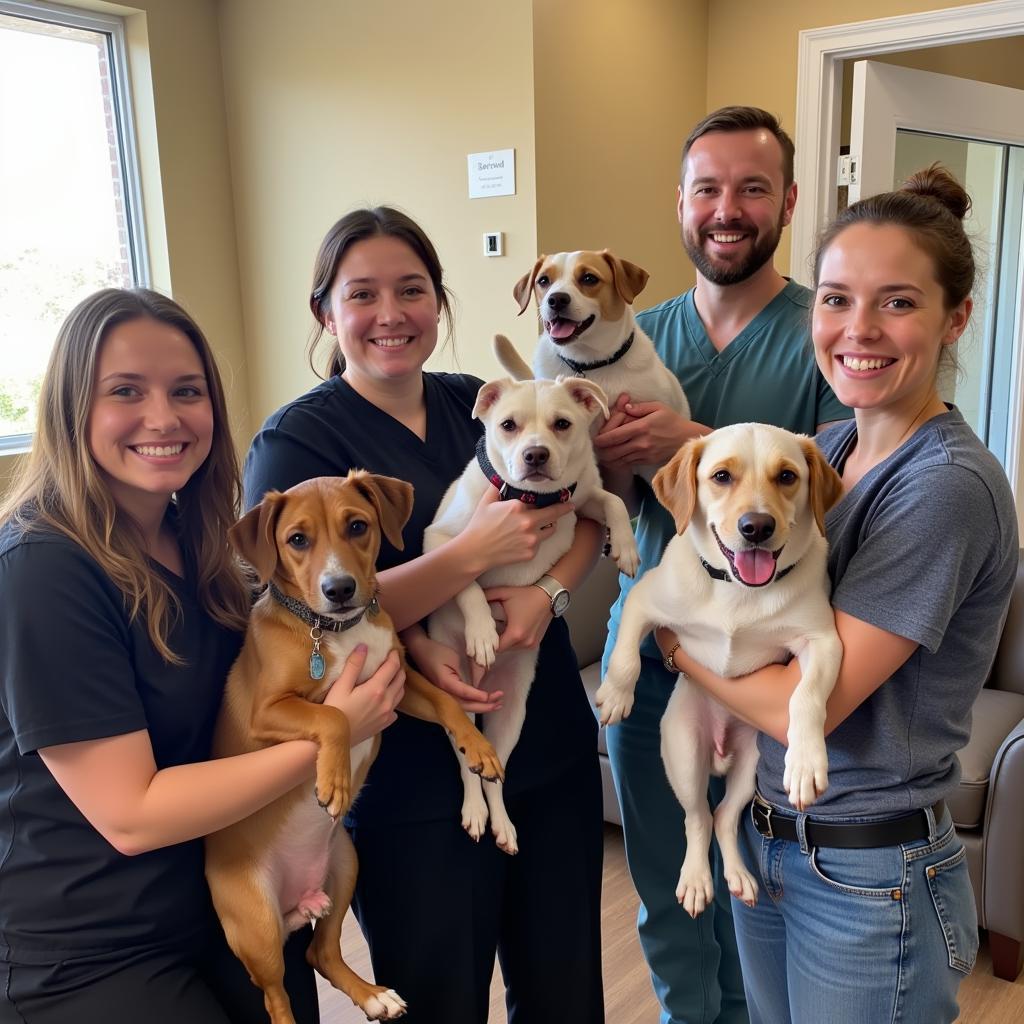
553,589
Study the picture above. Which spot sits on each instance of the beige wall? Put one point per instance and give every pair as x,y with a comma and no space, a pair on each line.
752,53
355,104
618,87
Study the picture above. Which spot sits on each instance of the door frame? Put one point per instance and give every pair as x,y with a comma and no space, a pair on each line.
819,92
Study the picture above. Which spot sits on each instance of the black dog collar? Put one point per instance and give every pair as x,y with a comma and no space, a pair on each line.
302,611
581,368
506,490
726,577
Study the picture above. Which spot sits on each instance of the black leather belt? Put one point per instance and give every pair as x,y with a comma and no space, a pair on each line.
860,835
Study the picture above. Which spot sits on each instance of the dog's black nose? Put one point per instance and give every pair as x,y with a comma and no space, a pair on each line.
557,301
536,457
338,589
756,527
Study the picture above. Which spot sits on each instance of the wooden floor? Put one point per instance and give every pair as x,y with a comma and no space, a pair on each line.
628,995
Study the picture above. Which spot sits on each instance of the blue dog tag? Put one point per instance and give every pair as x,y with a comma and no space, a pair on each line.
316,665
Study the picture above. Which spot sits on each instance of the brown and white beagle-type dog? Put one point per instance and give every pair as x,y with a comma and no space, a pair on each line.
291,862
585,304
744,583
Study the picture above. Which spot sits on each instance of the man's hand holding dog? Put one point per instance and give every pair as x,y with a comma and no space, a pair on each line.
369,706
643,434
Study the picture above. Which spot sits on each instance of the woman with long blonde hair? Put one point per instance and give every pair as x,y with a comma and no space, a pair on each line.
121,611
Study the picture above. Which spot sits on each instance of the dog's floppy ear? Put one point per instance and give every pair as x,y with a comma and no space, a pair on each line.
585,392
488,394
675,484
824,484
253,535
524,286
390,497
628,278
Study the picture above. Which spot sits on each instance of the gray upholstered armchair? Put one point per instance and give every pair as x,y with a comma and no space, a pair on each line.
988,806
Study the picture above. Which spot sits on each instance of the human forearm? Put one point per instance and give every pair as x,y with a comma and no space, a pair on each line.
411,591
575,565
870,657
760,698
192,800
136,808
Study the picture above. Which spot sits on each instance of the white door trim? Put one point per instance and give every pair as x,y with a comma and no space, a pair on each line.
819,94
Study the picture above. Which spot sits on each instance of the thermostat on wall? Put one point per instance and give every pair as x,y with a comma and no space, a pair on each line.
494,243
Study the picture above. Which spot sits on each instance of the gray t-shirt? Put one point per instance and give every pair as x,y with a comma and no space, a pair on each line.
924,546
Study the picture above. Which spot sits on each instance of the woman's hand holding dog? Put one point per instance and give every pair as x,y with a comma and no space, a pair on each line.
441,665
369,706
527,614
643,434
507,532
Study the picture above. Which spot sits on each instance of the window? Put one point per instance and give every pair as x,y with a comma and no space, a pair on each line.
70,215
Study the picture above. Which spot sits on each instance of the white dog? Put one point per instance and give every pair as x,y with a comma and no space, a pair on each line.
537,447
743,584
584,299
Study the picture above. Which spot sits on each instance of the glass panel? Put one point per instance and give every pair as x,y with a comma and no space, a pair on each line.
979,166
62,197
1009,292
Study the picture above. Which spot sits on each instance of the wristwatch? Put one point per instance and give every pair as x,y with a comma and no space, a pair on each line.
560,597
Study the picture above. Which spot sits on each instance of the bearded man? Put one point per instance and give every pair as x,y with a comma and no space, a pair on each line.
739,343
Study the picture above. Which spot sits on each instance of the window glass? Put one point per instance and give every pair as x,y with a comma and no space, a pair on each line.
65,222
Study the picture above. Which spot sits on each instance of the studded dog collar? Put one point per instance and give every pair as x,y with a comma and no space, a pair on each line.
508,491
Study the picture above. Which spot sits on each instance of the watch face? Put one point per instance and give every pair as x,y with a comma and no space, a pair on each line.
560,602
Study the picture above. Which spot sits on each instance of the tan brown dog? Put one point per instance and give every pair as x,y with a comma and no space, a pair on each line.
290,862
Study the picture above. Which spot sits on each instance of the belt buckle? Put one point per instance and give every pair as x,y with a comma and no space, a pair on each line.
765,810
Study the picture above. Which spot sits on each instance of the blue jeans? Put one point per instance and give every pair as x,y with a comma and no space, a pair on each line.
695,967
850,936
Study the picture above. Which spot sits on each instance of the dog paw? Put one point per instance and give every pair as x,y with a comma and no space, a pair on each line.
614,702
696,888
474,816
505,835
806,775
626,554
384,1004
741,883
333,790
482,643
481,758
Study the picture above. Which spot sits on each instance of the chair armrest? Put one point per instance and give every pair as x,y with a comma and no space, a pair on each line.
1003,858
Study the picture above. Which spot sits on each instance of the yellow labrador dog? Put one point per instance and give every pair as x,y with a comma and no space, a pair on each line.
536,449
744,583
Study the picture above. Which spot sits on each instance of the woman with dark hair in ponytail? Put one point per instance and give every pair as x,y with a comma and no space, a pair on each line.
434,905
865,910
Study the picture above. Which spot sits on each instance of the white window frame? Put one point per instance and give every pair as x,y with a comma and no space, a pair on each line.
113,27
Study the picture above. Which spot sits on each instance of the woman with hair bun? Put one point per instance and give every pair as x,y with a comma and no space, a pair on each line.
865,910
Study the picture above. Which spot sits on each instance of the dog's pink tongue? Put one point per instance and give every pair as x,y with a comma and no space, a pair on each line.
562,328
755,566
